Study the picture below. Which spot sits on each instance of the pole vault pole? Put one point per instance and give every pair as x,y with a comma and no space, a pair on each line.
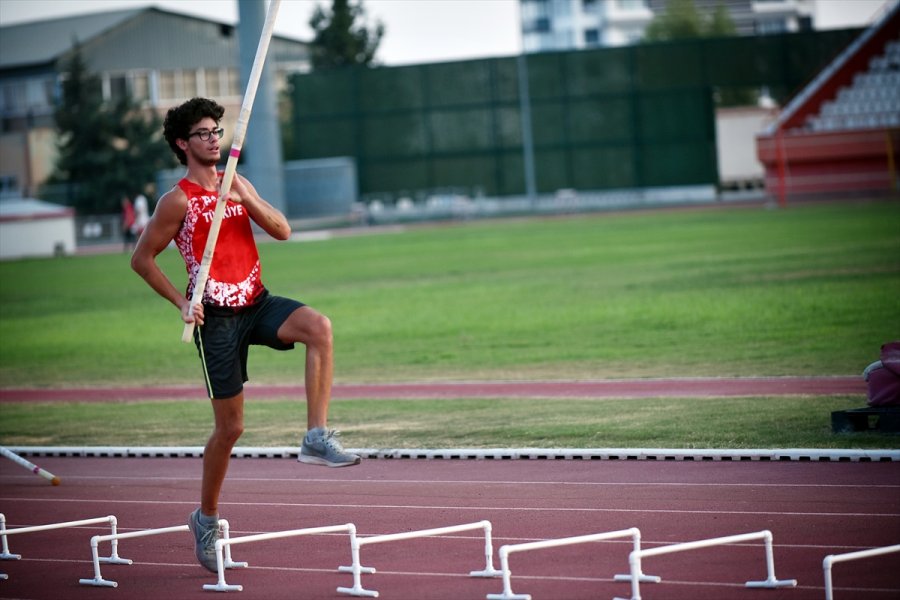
29,465
240,131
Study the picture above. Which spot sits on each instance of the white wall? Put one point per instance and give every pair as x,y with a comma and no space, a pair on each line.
50,236
736,130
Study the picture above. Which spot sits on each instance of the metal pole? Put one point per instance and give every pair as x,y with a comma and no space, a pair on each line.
527,142
262,161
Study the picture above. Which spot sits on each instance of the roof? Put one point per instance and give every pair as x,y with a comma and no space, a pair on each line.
19,209
44,42
41,42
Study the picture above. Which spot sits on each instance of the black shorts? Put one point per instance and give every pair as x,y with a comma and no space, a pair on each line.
227,333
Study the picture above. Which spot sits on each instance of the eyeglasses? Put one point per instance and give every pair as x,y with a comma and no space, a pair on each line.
204,134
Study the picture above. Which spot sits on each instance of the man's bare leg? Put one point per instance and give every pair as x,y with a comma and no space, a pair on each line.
313,329
229,425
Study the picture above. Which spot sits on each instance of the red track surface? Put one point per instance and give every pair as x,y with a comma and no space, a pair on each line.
812,508
632,388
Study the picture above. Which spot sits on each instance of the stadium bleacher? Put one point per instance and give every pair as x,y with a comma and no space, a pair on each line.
873,99
841,133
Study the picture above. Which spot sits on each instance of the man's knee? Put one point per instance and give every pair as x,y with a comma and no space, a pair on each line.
307,326
320,331
229,433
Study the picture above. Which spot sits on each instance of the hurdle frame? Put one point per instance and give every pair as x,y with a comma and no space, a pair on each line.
357,543
634,559
508,549
831,559
223,549
4,532
98,579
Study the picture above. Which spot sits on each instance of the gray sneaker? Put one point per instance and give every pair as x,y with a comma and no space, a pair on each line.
205,536
322,447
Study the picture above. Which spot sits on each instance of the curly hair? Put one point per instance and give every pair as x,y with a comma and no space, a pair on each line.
180,119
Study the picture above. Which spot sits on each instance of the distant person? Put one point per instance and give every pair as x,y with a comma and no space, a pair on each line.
141,215
237,310
128,220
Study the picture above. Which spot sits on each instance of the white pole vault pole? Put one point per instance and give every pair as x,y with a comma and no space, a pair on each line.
29,465
240,131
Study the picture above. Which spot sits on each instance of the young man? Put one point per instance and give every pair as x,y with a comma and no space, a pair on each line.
237,310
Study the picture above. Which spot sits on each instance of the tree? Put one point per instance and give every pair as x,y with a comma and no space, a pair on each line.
140,149
342,37
105,151
720,23
681,20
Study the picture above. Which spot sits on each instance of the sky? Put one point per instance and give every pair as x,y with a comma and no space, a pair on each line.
417,31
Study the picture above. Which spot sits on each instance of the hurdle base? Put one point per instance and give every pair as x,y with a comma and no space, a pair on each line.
368,570
358,591
492,572
115,560
230,564
8,556
222,587
772,583
98,582
508,597
641,578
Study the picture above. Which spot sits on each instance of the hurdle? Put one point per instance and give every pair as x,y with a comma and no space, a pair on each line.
357,543
98,579
6,555
506,550
634,559
831,559
225,545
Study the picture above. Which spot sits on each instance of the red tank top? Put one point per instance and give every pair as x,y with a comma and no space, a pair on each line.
234,277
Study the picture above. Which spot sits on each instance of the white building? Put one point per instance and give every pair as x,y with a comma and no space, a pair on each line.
33,228
568,24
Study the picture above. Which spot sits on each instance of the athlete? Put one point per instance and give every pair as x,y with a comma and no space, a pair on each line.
237,310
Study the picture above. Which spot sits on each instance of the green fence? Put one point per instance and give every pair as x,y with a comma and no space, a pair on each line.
632,117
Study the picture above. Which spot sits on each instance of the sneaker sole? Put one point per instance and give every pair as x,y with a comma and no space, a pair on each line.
315,460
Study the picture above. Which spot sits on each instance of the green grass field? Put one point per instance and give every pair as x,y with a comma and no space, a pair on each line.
813,289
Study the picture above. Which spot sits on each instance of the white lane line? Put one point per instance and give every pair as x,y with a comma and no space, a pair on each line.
371,505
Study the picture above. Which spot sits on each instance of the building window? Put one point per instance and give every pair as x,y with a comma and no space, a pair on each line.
34,96
591,37
562,9
12,100
770,26
135,85
140,87
118,88
631,4
233,85
532,9
166,85
211,80
188,84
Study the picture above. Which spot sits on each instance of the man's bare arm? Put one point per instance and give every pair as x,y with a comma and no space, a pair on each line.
263,214
160,231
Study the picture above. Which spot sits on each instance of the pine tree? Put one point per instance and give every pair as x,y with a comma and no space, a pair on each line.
83,139
340,39
105,151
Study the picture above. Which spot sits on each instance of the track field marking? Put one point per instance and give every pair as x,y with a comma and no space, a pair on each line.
523,577
370,506
867,486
